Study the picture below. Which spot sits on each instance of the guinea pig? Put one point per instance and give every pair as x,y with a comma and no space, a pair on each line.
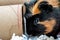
46,20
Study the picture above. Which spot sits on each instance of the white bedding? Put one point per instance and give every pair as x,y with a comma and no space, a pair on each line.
23,37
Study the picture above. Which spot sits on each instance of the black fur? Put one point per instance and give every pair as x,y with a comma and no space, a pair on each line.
45,7
28,6
48,12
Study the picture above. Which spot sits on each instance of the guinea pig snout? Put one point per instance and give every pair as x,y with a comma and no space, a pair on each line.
38,30
41,27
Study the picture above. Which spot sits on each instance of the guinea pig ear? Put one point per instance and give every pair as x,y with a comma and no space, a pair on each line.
31,3
34,1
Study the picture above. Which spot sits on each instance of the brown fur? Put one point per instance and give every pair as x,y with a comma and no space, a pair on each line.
35,9
49,24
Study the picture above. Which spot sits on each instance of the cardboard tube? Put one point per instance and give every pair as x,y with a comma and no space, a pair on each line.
10,21
11,2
